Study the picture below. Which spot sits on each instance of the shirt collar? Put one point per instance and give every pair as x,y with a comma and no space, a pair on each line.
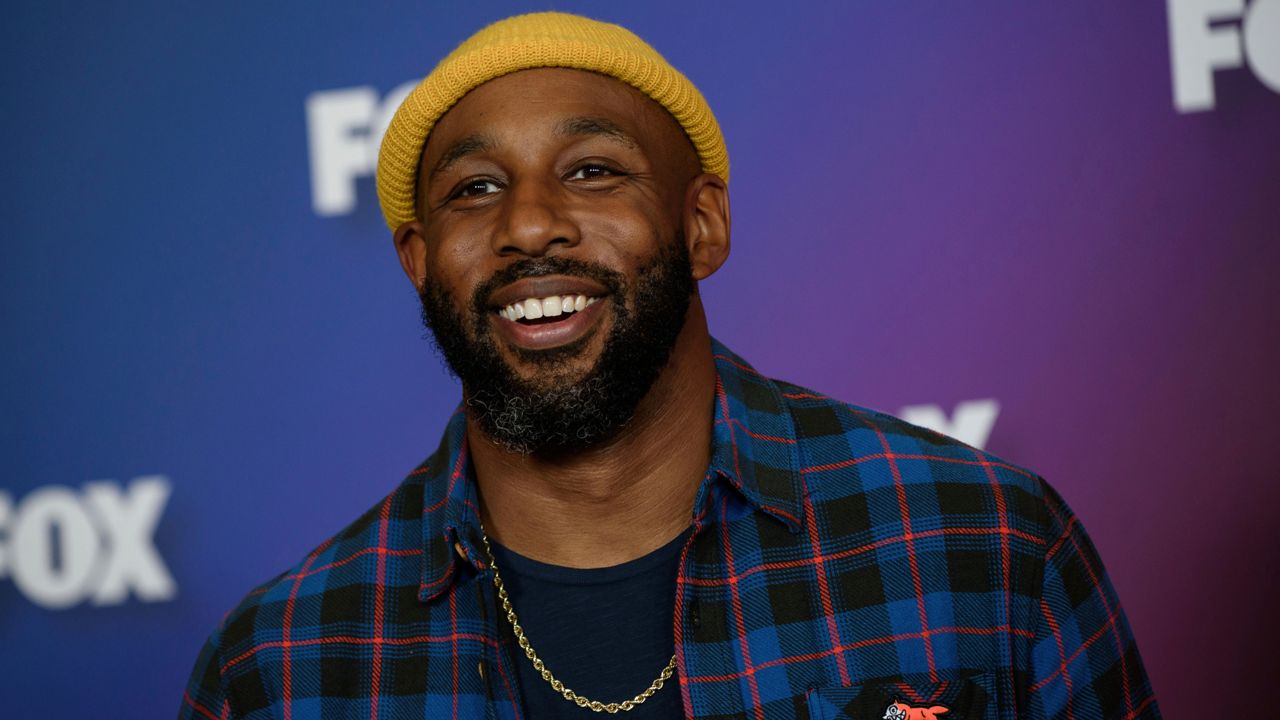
754,445
754,449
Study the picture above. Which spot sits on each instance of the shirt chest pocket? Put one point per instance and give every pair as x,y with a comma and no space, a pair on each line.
964,698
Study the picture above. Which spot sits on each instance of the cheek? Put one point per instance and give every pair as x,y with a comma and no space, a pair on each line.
453,242
457,260
622,237
459,286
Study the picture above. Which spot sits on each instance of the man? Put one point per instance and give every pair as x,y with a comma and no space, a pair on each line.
624,516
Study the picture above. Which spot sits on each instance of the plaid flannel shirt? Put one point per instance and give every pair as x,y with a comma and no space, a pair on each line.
842,561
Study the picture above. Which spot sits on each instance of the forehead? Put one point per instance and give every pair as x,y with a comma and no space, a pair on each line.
514,107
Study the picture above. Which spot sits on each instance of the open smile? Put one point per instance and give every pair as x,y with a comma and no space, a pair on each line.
546,312
531,310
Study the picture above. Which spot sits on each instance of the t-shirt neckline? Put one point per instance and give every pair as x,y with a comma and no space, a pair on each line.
513,562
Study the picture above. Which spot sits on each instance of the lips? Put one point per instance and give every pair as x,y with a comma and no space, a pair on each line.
544,312
544,287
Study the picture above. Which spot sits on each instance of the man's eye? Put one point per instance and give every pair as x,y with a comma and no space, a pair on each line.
590,172
476,187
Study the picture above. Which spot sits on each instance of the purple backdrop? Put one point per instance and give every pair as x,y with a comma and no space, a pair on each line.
933,204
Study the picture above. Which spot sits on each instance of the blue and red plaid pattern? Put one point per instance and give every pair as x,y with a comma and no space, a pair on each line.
841,560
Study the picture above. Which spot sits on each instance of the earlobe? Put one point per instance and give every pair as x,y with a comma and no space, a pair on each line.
706,224
411,246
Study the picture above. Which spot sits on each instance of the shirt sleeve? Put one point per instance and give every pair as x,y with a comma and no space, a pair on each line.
1085,661
205,696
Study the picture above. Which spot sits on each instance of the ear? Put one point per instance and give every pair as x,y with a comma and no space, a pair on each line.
706,224
411,246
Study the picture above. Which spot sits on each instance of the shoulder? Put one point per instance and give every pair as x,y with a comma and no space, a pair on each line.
330,577
331,595
895,470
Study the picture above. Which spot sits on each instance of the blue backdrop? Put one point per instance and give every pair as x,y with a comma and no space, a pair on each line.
1045,227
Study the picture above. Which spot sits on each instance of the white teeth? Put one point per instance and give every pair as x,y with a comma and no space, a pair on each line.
534,308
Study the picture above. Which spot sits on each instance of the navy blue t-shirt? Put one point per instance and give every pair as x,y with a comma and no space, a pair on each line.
605,633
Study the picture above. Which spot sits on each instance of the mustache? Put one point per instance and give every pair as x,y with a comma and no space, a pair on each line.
613,280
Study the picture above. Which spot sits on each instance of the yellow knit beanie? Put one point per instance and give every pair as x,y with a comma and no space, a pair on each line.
547,39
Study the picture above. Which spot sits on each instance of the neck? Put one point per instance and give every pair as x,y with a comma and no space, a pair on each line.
623,498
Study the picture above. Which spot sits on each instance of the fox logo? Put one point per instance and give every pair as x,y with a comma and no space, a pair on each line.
903,711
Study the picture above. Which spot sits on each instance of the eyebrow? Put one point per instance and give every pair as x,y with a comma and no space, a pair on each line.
462,148
472,144
596,126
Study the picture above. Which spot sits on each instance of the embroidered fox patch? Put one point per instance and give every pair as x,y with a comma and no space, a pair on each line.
903,711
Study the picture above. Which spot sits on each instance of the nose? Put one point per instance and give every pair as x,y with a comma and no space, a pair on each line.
534,221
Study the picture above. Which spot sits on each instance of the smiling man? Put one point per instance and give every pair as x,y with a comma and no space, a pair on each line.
624,516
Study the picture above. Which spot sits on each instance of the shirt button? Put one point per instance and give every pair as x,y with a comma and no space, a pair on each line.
462,552
480,669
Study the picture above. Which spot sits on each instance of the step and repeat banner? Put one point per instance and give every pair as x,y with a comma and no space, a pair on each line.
1049,229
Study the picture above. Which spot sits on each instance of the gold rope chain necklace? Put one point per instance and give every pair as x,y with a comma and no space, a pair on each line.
612,708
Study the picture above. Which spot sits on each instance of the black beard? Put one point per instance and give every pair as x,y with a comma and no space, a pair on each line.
559,414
